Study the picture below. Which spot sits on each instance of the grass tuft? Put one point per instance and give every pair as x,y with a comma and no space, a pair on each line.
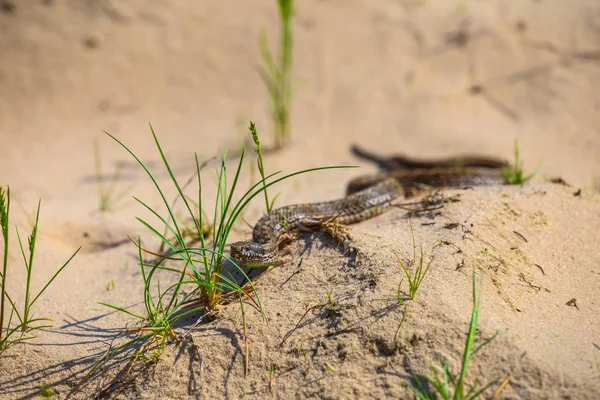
201,275
277,75
47,392
514,174
26,322
443,382
107,195
414,281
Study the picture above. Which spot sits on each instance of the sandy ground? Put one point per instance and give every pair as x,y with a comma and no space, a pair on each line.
421,78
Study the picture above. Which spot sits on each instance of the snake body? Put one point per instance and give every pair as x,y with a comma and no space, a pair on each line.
367,196
411,179
402,162
271,228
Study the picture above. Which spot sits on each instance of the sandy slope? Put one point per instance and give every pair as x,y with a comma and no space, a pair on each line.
420,78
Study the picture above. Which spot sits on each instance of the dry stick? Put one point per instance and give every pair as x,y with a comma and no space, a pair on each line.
541,269
521,236
416,211
104,358
290,333
142,350
247,350
135,358
502,386
505,381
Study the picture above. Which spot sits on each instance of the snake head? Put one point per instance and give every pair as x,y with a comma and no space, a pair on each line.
252,254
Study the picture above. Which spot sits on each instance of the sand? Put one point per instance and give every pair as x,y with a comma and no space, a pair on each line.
426,79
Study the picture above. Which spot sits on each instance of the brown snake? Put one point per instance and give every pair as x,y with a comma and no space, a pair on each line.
367,197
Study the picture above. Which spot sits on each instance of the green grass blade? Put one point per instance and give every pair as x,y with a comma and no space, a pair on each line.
178,237
21,247
14,309
486,342
223,231
470,340
261,167
217,231
160,192
267,57
173,179
54,276
475,394
149,302
201,214
156,232
122,310
4,210
28,279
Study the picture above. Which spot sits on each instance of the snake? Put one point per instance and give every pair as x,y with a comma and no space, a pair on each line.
367,197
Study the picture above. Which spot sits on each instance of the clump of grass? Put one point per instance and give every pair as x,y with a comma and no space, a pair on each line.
444,383
331,307
272,368
201,274
414,281
47,392
110,285
157,323
107,194
277,75
514,174
26,321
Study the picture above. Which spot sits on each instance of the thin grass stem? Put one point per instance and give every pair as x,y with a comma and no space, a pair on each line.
4,210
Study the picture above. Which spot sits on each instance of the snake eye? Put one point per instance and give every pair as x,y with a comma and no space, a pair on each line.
246,248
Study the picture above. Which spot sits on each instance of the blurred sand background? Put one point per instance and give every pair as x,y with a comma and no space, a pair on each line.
421,78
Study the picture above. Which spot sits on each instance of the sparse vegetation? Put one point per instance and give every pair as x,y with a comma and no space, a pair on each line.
107,194
515,174
47,392
110,285
10,332
414,281
277,74
261,167
331,307
272,369
203,271
443,382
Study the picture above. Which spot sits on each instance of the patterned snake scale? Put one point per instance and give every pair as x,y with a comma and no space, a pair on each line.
367,197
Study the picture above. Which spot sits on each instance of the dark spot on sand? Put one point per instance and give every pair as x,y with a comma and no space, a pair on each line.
7,7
